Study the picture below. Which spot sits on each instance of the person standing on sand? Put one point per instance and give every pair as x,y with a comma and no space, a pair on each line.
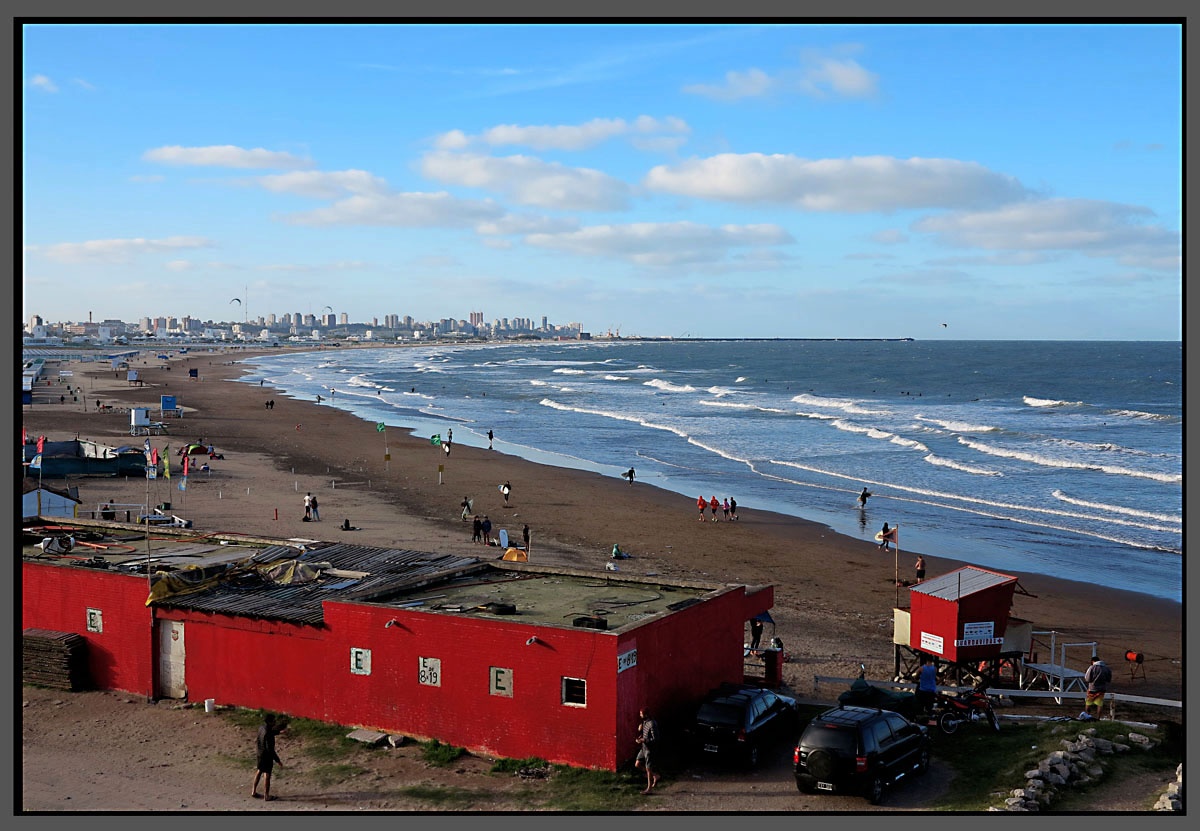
525,538
265,756
715,506
316,514
506,489
477,529
725,508
920,569
732,508
486,528
308,505
702,503
629,475
490,437
1097,678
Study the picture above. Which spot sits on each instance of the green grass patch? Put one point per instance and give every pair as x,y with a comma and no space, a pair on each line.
452,798
440,755
988,764
592,791
516,765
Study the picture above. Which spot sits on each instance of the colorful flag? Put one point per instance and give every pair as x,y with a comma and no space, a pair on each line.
183,484
154,457
41,443
167,461
186,464
435,439
379,425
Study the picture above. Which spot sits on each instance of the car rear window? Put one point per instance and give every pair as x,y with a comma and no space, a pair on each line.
831,737
717,713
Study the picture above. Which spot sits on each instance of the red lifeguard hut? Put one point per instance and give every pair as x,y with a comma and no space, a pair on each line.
962,619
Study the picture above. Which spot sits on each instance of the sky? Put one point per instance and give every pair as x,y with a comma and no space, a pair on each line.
991,181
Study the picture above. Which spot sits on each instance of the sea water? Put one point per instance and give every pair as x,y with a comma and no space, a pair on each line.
1050,457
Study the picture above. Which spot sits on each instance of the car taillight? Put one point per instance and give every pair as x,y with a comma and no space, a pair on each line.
796,756
860,764
741,737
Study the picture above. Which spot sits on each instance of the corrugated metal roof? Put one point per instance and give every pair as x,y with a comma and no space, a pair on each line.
387,570
962,582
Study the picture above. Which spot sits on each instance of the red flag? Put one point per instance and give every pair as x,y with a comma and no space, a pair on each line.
41,443
24,436
154,457
186,460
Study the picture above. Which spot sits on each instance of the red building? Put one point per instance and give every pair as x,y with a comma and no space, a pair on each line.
504,659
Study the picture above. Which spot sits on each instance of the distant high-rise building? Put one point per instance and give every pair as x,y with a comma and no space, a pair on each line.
344,319
476,318
545,324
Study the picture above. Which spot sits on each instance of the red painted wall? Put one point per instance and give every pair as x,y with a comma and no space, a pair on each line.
306,671
57,598
945,618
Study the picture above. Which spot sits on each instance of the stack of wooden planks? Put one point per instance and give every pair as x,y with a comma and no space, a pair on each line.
54,659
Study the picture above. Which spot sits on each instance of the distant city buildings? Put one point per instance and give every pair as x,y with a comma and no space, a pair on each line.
297,327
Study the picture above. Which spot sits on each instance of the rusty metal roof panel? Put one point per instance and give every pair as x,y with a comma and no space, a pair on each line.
962,582
359,573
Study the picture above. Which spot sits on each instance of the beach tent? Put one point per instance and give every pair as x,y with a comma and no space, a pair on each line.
193,449
516,555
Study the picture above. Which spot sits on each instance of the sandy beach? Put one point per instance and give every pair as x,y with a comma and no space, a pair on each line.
834,595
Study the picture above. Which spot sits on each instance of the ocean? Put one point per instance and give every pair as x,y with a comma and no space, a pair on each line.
1048,457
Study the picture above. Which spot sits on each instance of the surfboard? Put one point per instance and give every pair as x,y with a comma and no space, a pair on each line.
503,538
890,536
500,488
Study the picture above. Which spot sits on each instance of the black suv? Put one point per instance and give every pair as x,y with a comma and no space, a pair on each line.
734,721
859,749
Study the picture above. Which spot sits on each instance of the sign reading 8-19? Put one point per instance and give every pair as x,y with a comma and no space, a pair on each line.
429,671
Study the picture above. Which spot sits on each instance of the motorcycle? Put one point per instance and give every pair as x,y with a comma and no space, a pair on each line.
953,711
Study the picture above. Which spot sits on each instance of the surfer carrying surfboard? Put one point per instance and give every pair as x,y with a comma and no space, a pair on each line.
886,537
629,475
506,489
862,498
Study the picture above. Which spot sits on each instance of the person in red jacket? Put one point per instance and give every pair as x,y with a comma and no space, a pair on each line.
701,504
714,506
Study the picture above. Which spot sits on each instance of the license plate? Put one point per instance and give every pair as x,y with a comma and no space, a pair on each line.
824,786
710,748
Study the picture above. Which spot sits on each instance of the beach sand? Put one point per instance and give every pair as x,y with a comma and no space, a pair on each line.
834,595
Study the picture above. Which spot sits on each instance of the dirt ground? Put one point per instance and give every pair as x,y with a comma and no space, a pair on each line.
103,751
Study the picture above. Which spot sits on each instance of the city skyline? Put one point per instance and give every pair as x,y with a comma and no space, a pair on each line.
992,180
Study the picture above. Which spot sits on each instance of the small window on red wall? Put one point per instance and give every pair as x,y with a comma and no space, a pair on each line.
574,692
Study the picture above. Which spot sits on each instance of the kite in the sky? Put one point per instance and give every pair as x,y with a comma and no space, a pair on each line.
239,302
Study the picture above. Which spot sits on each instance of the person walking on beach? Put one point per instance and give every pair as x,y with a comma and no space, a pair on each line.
490,437
862,498
466,507
885,538
647,737
477,529
920,569
265,757
725,509
732,508
525,538
316,514
487,530
1097,677
629,475
702,503
506,489
714,506
308,505
449,437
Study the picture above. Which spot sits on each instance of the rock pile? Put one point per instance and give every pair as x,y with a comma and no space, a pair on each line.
1078,763
1172,800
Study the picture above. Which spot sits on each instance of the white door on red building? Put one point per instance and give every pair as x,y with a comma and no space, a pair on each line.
171,660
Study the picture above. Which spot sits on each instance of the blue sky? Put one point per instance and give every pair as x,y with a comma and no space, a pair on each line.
1011,181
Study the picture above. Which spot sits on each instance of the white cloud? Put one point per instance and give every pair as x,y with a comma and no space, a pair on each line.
889,236
751,83
405,210
525,224
226,155
820,76
80,82
566,136
855,185
119,250
324,185
660,244
43,83
179,265
1091,227
147,179
530,181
